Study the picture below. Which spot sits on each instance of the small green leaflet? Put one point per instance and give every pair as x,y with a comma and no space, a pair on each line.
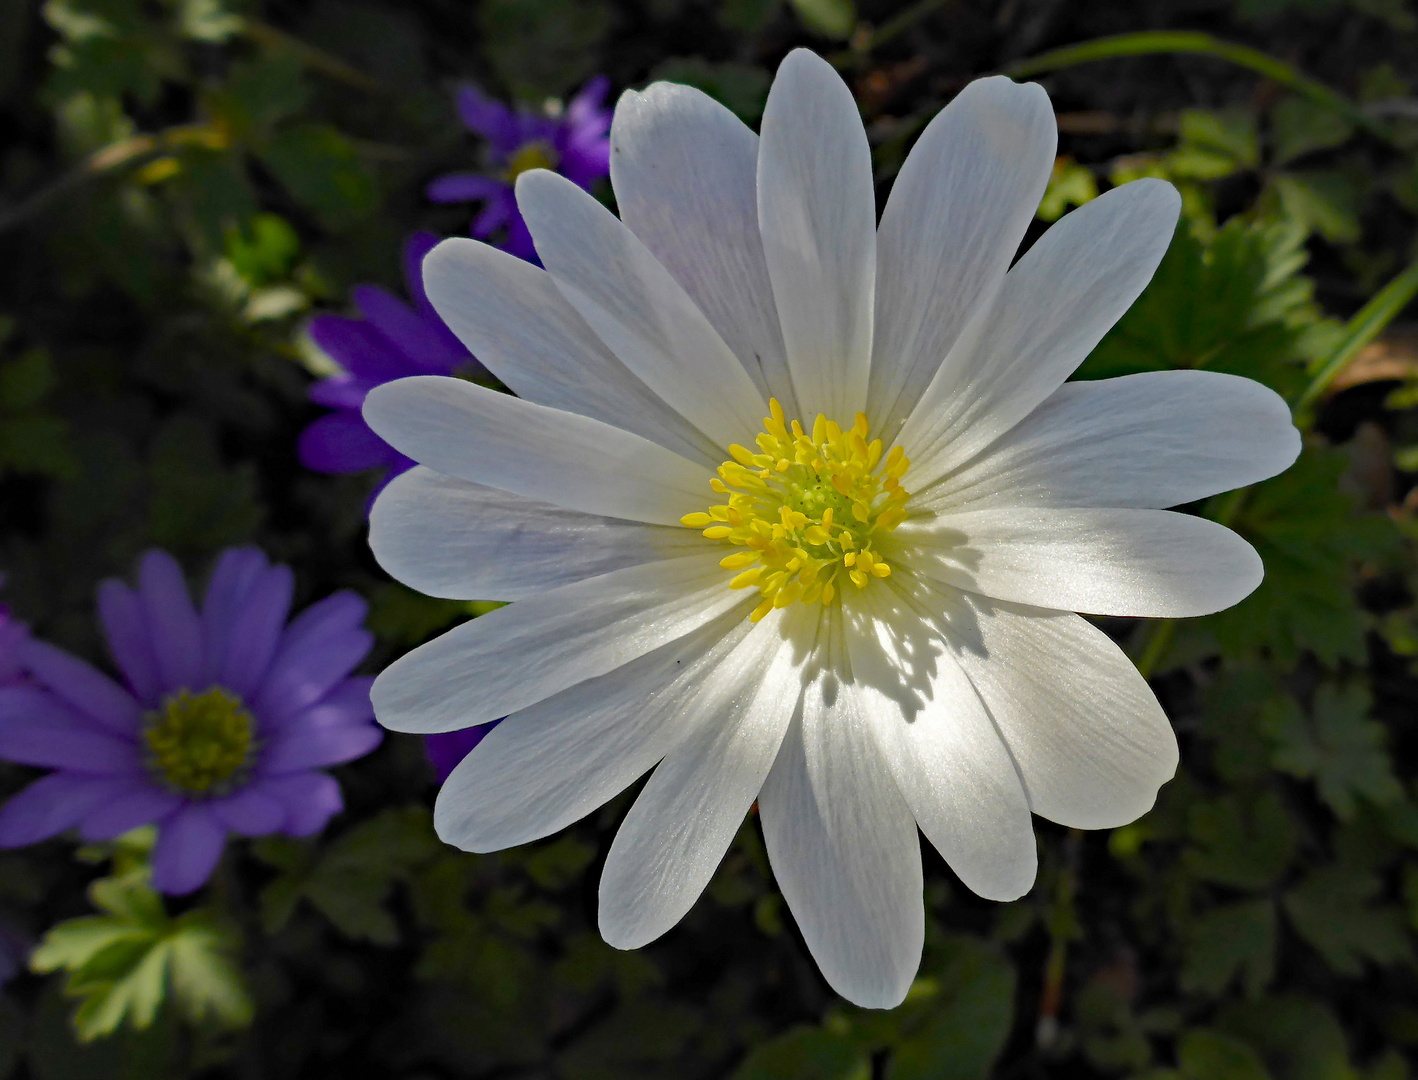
125,964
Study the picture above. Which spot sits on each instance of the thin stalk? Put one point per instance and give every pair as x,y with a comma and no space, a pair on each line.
1148,43
1368,323
271,37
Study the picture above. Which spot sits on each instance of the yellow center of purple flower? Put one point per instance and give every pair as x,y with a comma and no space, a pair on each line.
198,742
810,509
532,155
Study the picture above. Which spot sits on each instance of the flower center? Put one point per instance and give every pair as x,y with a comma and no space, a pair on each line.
198,742
533,155
810,508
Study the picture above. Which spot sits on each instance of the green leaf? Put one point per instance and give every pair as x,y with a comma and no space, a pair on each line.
1331,910
1237,940
1299,127
1214,144
1313,542
320,168
1070,185
259,94
265,251
543,48
830,18
806,1053
1236,304
211,21
208,985
1211,1055
1302,1037
742,88
350,879
122,965
1325,202
25,380
1245,846
1339,748
956,1020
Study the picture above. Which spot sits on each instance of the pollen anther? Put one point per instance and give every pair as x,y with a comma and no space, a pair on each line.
810,509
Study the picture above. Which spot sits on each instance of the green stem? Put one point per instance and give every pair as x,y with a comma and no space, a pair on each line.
1149,43
903,21
1370,321
1158,642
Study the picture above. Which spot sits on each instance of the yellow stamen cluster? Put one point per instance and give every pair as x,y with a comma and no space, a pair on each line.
810,509
533,155
198,742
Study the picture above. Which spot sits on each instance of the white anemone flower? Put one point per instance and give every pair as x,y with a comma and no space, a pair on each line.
794,506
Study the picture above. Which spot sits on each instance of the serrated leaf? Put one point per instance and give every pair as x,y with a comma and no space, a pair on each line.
1312,540
123,965
1211,1055
1235,304
1215,144
1240,845
1326,202
1331,909
208,984
806,1053
320,168
350,880
1300,1035
1237,940
1342,750
1299,127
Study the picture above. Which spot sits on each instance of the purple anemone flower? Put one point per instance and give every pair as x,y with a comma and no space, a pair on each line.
446,748
391,341
13,635
574,142
225,717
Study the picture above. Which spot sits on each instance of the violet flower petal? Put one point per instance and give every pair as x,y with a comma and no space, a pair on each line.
141,804
126,629
189,844
174,628
53,804
311,800
342,443
250,812
83,686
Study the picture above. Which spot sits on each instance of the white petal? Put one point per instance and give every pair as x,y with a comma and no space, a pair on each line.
448,537
937,737
690,810
638,309
842,841
817,215
1161,438
1091,742
957,212
1143,563
515,656
553,763
512,317
685,169
1056,304
477,434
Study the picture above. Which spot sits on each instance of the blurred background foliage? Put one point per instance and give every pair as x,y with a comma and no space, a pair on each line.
184,182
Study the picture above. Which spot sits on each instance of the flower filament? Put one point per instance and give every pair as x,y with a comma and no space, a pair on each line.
197,743
809,509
